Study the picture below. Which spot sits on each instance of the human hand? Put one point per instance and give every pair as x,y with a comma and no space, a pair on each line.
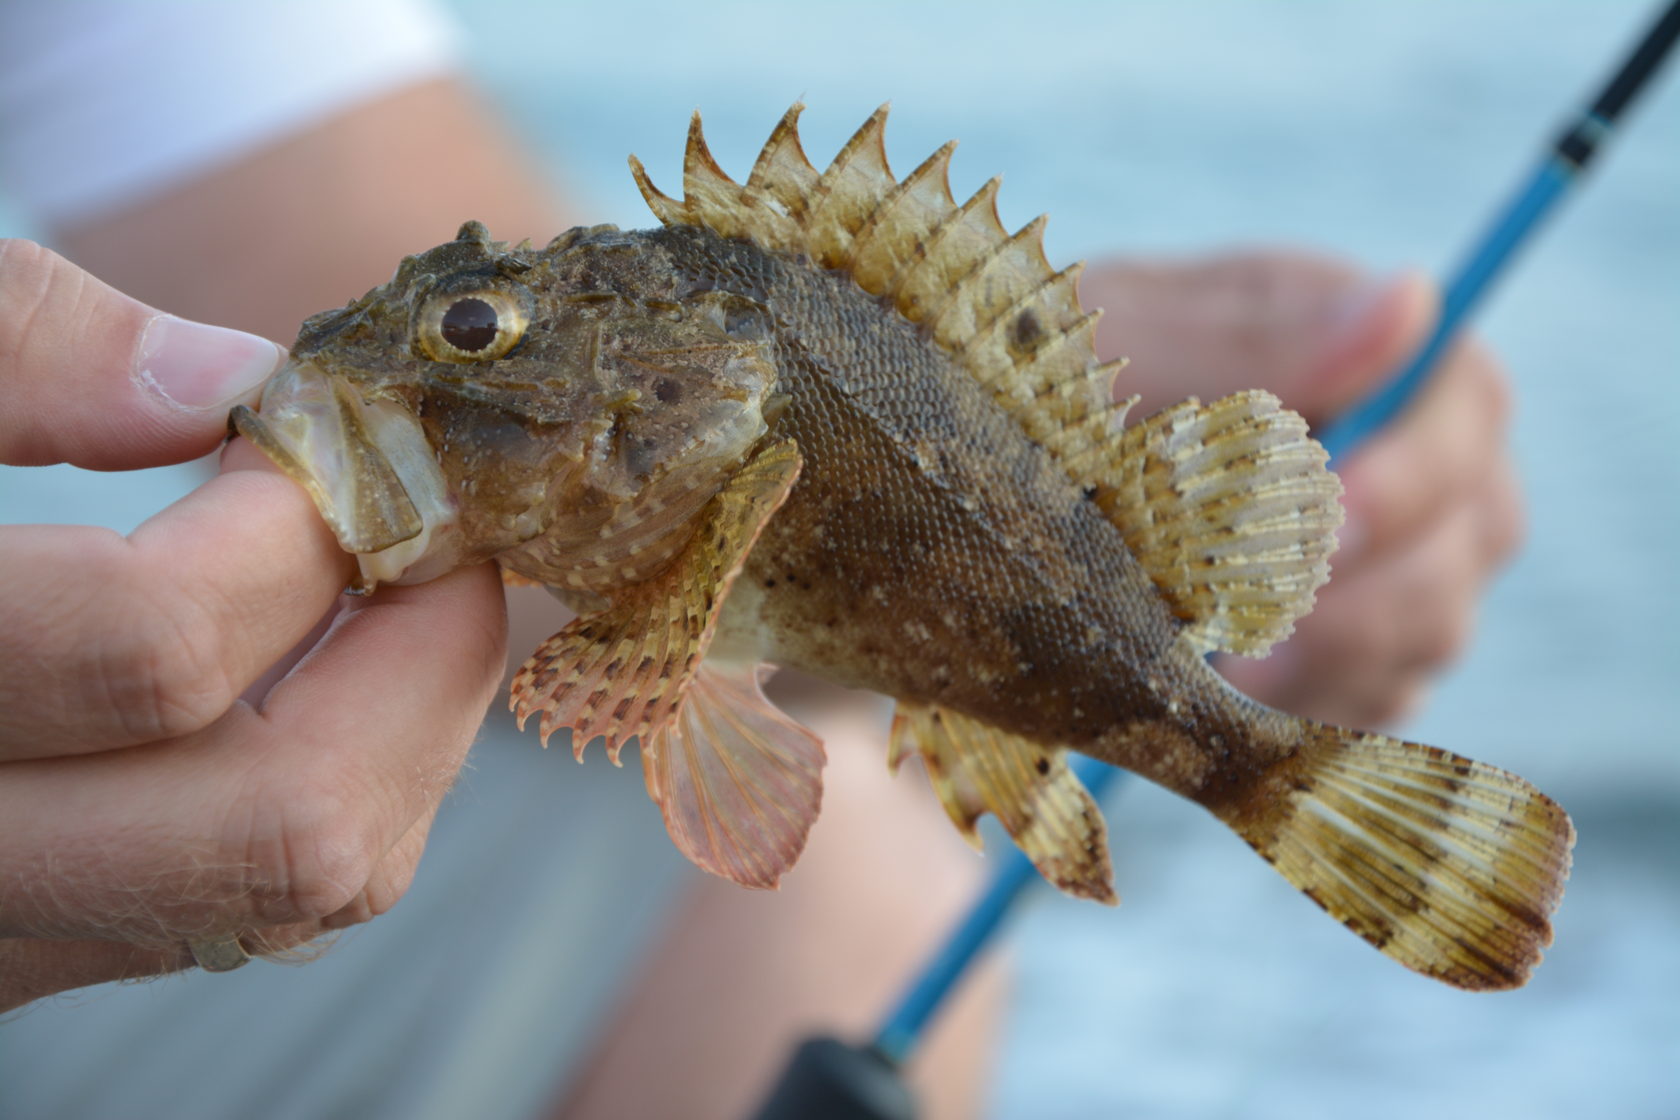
1433,507
143,803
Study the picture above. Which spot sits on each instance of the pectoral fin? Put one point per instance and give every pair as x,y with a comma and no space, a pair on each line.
622,672
976,768
738,782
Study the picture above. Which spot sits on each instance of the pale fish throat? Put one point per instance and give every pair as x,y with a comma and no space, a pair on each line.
368,468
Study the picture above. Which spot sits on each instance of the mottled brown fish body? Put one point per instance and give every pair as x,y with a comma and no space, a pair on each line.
838,421
932,552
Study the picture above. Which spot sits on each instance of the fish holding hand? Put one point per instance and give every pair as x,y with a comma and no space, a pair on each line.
840,422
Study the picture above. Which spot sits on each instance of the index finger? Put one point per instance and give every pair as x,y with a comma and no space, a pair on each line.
108,641
1436,452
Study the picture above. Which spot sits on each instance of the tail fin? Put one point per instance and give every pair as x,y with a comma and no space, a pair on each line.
1448,866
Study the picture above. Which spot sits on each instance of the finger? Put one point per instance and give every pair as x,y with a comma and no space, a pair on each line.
31,968
1439,450
113,641
95,378
1313,330
390,879
1375,330
269,817
1501,515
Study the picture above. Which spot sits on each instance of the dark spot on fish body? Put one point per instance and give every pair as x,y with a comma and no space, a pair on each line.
1042,765
668,391
1026,333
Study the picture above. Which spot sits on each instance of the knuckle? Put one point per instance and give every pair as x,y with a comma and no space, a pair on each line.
323,857
164,670
384,889
1396,704
1447,640
1507,521
1352,637
1502,399
1494,382
41,288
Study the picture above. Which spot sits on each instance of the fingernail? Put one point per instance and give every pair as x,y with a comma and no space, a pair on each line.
197,366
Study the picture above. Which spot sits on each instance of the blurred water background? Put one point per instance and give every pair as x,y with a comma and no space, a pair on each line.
1385,132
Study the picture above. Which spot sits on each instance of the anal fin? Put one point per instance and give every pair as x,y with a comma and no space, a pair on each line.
976,768
738,782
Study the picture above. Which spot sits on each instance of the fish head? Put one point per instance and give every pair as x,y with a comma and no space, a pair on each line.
487,395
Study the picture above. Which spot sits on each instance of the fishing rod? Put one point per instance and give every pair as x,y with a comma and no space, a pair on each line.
828,1079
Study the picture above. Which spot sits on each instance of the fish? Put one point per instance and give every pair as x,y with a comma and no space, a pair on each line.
839,422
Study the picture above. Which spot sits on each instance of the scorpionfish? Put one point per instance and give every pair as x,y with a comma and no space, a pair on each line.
840,422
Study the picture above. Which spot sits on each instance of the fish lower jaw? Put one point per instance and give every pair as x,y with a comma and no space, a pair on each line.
437,548
368,468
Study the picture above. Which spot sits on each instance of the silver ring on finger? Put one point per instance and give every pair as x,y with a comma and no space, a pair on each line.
219,954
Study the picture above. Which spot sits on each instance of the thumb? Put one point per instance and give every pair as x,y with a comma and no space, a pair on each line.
92,377
1311,329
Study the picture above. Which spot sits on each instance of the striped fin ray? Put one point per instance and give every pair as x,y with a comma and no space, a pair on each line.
1450,866
1231,510
976,768
622,672
988,297
738,782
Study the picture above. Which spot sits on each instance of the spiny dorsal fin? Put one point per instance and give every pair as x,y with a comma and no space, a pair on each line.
1181,486
987,296
976,768
1231,511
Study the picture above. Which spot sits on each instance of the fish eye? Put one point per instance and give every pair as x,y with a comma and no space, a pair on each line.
469,324
477,326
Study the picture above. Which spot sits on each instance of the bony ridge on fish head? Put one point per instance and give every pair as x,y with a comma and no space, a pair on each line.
489,401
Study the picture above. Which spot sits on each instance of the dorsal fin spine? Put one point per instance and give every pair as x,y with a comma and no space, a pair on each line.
667,209
898,245
964,292
828,224
928,253
953,269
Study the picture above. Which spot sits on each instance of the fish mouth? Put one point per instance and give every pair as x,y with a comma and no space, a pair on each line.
366,465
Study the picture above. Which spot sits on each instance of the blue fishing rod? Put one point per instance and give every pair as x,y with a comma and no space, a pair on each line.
828,1079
